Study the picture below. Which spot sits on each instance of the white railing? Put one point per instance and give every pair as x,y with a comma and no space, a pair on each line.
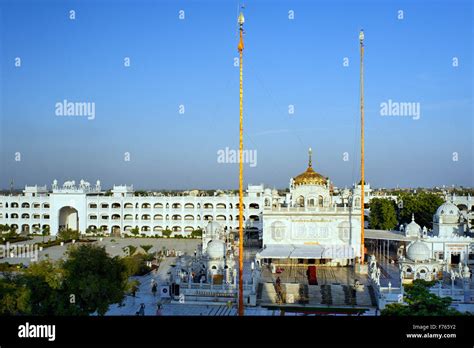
333,209
207,286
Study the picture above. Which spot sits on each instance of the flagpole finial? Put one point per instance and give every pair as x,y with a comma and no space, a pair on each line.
241,19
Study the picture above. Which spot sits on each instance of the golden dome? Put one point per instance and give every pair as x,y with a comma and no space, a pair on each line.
310,177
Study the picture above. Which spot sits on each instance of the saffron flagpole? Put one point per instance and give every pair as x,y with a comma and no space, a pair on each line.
240,48
362,173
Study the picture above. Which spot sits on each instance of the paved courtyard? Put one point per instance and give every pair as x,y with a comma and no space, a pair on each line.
114,247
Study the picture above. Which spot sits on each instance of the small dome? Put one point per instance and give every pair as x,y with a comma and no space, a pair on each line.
418,251
447,213
213,229
447,209
413,229
216,249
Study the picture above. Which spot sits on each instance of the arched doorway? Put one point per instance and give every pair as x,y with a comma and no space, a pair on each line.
68,218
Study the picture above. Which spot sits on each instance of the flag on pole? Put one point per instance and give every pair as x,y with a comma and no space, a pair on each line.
241,43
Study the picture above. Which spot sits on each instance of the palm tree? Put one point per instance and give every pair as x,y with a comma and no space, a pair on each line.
146,247
135,231
45,232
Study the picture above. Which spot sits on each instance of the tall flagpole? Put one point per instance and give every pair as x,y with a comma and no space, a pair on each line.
362,174
240,47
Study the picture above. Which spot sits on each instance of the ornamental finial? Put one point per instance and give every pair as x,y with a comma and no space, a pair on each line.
241,19
310,153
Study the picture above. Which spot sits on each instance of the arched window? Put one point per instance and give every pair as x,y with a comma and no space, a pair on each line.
320,201
300,201
357,202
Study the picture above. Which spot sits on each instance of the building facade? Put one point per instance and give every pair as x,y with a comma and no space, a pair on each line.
87,208
314,226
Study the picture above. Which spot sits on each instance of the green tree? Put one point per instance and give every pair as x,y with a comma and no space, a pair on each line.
166,233
383,214
45,231
44,281
94,279
92,231
421,302
129,250
68,234
87,282
146,247
135,265
196,233
135,231
422,204
14,297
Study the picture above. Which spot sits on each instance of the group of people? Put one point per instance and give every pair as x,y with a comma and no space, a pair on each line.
154,289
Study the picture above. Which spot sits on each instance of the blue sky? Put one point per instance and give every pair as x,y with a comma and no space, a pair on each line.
190,62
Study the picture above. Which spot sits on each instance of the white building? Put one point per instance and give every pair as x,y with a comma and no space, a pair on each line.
450,240
87,207
311,227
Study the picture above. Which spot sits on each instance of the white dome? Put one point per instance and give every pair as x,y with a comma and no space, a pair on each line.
418,251
447,213
213,229
413,229
447,209
216,249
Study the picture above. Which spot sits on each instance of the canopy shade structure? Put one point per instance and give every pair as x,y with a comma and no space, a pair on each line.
273,251
322,252
291,251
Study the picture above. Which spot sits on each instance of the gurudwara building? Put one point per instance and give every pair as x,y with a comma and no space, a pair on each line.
312,226
90,208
